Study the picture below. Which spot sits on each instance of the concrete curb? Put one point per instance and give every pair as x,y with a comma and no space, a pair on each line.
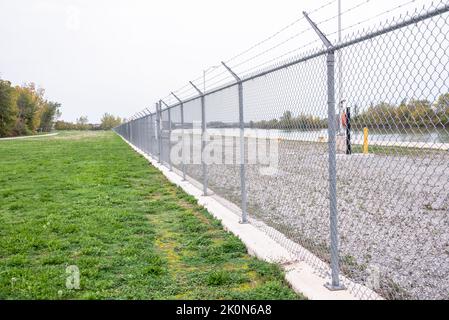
299,274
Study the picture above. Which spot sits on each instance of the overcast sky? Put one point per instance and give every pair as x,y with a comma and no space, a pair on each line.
118,56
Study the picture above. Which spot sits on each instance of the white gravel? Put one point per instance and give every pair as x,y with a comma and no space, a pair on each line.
393,211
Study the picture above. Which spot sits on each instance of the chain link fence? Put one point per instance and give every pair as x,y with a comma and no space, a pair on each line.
357,185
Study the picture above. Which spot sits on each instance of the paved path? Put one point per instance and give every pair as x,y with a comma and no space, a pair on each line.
29,137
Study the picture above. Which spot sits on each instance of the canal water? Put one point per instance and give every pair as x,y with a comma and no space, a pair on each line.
404,135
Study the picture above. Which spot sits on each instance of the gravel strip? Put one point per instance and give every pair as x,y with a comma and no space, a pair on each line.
393,212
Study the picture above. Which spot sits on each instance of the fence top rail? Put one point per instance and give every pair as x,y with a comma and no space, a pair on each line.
371,35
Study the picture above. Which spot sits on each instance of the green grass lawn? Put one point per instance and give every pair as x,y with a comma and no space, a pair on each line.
396,151
86,199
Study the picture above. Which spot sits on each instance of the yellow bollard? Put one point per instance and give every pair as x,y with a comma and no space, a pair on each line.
365,140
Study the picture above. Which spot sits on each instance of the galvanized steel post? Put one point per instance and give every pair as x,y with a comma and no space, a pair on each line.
181,105
129,131
333,214
158,131
152,137
242,146
147,131
151,132
139,133
169,136
203,138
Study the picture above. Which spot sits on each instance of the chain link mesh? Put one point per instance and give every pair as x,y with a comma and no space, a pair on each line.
192,123
393,203
392,162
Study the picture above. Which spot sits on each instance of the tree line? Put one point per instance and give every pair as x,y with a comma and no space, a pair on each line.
411,113
24,110
288,121
107,122
407,114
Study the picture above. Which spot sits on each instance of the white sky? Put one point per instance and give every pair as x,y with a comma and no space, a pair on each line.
120,56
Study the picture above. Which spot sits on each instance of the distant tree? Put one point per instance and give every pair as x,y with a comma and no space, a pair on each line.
376,115
286,120
108,121
63,125
23,110
82,123
50,112
442,109
8,108
408,114
420,113
289,122
28,104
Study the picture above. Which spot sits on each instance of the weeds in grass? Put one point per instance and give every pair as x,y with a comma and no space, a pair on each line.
87,200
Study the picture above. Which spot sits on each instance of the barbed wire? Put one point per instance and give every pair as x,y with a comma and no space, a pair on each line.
180,90
365,2
374,17
246,72
184,88
223,72
222,75
273,47
279,32
305,30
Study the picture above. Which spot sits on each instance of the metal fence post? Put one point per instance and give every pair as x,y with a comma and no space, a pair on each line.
142,133
242,146
151,129
169,140
332,149
139,133
203,139
158,131
136,132
154,135
203,145
147,133
335,266
136,143
150,135
181,104
142,139
169,136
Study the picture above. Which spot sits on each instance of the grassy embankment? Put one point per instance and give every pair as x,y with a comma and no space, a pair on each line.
86,199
